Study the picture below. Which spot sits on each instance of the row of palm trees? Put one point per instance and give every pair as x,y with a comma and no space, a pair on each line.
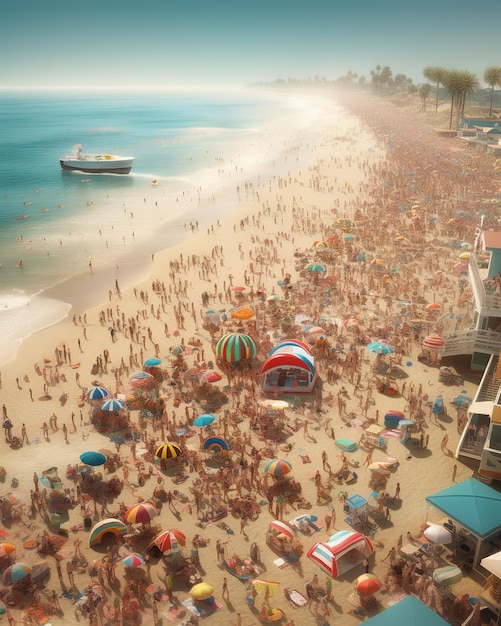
460,84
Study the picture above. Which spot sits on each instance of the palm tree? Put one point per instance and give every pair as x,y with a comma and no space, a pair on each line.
385,77
492,76
375,76
424,92
437,75
459,84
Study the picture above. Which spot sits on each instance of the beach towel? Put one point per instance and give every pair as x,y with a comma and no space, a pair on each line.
296,598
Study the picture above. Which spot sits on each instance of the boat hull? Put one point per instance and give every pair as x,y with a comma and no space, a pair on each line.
98,166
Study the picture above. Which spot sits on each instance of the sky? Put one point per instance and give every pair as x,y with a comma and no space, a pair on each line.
171,43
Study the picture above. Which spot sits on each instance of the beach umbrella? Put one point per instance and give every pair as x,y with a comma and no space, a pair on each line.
93,458
168,451
133,560
282,528
448,575
242,313
16,572
348,238
169,540
7,548
113,404
210,376
278,467
433,306
97,393
274,405
177,349
314,267
141,513
380,347
309,331
239,288
152,362
202,591
212,316
319,244
273,299
436,533
368,584
460,267
235,347
215,444
465,255
434,343
462,400
351,322
204,420
143,379
109,525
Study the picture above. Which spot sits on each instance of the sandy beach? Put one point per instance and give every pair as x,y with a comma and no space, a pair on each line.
382,192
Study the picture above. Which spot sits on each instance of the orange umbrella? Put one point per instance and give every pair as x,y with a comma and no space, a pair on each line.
433,306
243,313
7,548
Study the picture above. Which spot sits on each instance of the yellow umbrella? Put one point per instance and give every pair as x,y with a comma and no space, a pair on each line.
202,591
465,255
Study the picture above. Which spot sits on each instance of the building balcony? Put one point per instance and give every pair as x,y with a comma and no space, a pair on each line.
487,300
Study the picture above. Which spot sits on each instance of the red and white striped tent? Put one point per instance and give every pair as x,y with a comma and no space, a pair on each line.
341,552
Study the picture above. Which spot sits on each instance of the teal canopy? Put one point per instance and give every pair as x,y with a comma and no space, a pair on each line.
409,611
473,504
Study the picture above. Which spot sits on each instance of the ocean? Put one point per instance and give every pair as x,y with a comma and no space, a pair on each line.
192,150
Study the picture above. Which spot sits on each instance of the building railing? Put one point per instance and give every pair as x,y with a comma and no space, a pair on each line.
470,341
487,301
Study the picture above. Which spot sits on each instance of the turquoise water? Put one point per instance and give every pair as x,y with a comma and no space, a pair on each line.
195,145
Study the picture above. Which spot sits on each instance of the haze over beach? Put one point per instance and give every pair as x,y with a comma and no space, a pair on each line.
288,191
196,43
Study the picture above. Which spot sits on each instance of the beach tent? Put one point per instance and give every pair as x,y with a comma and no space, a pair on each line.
473,505
290,368
409,611
111,525
341,552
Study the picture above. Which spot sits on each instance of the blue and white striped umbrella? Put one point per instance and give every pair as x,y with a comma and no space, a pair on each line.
113,404
97,393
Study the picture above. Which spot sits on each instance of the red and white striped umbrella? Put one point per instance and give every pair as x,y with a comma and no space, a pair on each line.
434,343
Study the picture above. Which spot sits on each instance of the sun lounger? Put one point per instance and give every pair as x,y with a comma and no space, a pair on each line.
346,445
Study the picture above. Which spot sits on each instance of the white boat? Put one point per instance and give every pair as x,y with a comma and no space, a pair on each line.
96,163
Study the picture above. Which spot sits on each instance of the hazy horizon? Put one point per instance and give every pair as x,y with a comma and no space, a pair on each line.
220,44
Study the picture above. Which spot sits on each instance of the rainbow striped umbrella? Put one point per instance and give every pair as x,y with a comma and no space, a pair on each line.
141,513
16,572
168,451
133,560
235,347
278,467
